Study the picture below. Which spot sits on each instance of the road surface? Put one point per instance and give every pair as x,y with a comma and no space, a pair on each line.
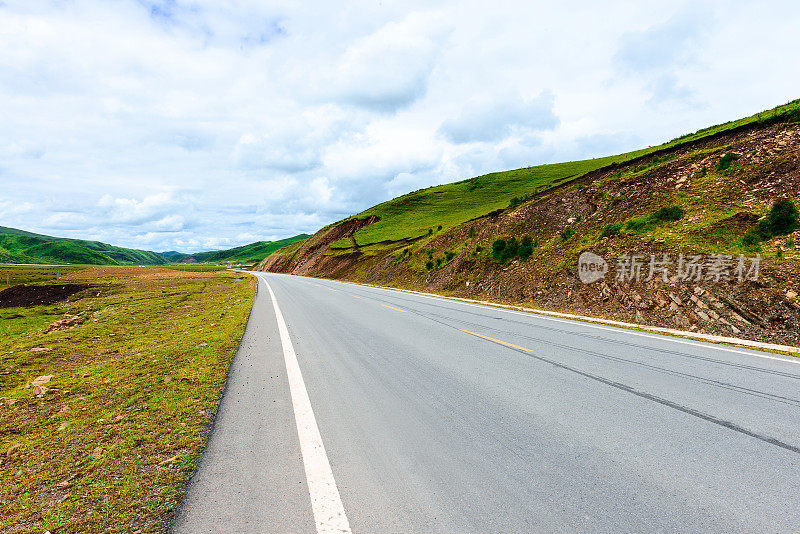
409,413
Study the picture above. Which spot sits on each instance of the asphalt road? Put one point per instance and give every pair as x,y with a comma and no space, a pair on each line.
442,416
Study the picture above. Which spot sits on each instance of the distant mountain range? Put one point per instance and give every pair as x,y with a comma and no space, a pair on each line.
20,246
252,253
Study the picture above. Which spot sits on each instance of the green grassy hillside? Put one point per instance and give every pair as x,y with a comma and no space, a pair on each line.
724,199
252,253
19,246
15,248
422,212
173,256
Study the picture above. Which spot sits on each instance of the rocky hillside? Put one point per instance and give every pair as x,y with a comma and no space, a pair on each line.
698,235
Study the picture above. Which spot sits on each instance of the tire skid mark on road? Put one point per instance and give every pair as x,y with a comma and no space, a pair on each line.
612,383
622,342
660,400
754,352
704,380
708,381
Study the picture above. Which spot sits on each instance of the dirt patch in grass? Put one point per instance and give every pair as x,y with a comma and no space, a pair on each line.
102,419
24,295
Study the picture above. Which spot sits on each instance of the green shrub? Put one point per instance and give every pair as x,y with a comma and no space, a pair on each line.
611,230
439,227
638,225
449,255
725,161
472,231
497,247
664,214
668,213
429,265
751,241
503,250
567,233
430,231
478,249
511,249
516,201
782,219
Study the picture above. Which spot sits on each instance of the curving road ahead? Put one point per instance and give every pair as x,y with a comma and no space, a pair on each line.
355,408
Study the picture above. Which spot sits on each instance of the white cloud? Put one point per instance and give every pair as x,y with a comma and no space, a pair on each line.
389,69
177,124
493,118
155,208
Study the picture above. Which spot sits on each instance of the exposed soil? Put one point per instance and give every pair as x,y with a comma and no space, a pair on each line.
312,256
24,295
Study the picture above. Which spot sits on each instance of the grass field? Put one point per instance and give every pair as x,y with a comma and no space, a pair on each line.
11,275
421,212
196,267
111,442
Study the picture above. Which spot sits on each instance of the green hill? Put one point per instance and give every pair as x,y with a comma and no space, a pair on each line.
723,199
19,246
252,253
16,248
422,212
173,256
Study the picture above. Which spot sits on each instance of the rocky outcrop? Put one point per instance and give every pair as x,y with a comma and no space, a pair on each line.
309,256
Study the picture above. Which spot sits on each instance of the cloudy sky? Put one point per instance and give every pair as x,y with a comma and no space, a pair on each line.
204,124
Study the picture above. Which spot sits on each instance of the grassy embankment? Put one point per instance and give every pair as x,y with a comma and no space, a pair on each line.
109,445
432,210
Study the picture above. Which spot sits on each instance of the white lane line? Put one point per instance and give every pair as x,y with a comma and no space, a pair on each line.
326,502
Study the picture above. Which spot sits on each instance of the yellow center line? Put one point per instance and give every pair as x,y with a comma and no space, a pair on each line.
497,341
355,296
396,309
